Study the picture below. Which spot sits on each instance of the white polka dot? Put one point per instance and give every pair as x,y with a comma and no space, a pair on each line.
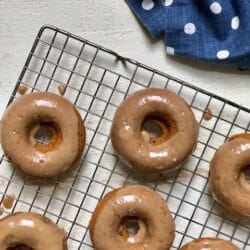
147,4
189,28
168,2
235,23
216,8
223,54
170,50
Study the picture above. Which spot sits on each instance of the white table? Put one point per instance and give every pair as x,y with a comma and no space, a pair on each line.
112,24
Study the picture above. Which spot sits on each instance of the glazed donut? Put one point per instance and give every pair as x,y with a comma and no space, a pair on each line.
209,244
22,121
32,231
227,180
175,119
109,225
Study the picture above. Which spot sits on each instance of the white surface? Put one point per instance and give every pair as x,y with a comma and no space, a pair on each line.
112,24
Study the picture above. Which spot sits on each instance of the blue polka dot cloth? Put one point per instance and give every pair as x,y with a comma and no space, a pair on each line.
215,31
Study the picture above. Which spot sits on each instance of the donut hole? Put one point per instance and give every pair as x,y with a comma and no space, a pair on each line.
246,174
45,136
156,130
153,129
132,229
20,247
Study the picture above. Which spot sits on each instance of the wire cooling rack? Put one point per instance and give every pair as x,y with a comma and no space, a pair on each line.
97,80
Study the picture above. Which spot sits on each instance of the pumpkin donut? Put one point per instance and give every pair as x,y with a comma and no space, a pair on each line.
227,179
23,119
172,115
132,205
31,230
209,244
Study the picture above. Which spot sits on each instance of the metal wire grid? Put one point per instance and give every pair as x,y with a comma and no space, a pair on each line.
97,80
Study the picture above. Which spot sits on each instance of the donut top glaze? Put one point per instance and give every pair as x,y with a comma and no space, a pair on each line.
209,244
32,230
98,209
242,135
23,118
171,113
120,207
243,179
227,178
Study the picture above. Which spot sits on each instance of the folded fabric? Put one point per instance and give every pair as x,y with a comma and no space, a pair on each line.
216,31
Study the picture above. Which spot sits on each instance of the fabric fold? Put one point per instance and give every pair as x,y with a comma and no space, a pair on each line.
215,31
151,14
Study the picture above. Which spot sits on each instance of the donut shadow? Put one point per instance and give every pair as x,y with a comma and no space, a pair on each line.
167,177
217,208
27,179
148,178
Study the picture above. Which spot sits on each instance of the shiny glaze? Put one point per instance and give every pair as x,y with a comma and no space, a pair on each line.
32,230
209,244
8,201
242,135
19,123
208,115
22,89
156,226
226,177
166,152
61,89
